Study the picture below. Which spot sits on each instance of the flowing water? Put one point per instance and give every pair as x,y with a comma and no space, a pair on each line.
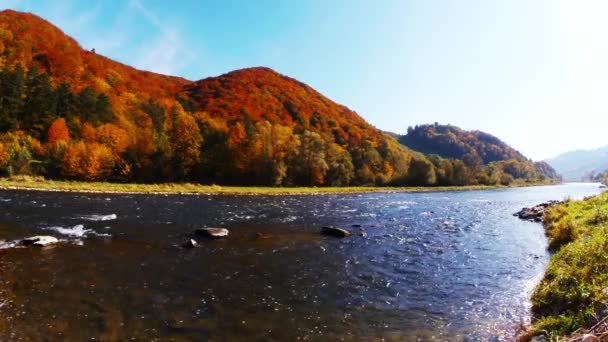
420,266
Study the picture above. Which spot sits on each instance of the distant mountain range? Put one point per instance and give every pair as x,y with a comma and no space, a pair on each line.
579,165
69,113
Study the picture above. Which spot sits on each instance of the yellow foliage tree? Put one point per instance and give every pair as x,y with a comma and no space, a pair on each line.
87,161
185,140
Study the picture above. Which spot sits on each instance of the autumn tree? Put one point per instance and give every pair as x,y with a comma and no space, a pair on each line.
88,161
340,166
88,133
58,132
311,166
185,140
4,156
21,152
116,138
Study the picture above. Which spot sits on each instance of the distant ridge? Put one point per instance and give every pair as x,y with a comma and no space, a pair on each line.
577,165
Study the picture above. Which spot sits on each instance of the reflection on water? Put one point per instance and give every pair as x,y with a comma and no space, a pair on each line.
429,266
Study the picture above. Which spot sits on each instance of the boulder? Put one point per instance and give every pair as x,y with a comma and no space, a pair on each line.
39,241
335,232
212,232
534,213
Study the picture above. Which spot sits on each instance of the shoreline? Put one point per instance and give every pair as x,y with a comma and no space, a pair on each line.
36,184
576,270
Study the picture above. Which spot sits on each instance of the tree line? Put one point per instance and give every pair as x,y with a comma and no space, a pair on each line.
52,130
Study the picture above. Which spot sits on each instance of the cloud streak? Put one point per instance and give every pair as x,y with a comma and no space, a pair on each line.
166,53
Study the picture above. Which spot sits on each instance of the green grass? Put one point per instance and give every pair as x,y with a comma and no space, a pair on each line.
39,183
570,295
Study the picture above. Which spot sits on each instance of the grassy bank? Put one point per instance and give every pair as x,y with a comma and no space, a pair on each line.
37,183
572,295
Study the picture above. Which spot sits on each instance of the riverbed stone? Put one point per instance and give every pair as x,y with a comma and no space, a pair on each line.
39,240
212,232
335,232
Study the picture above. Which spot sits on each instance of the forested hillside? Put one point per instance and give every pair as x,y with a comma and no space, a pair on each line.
73,114
478,150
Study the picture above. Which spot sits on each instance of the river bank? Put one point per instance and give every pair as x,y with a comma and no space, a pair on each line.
572,297
41,184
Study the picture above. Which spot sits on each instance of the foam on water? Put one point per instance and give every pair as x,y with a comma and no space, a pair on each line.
99,217
77,231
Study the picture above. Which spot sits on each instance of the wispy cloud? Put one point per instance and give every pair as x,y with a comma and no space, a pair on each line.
132,33
166,53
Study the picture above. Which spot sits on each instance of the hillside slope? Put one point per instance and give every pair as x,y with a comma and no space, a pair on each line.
475,148
452,142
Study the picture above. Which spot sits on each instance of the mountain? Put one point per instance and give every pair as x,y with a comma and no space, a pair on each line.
578,165
69,113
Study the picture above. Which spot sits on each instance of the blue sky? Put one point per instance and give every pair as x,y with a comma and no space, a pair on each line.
534,73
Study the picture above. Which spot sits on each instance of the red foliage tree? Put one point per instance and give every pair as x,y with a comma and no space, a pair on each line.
58,132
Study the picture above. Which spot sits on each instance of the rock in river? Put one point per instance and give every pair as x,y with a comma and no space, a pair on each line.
39,241
212,232
336,232
190,244
535,213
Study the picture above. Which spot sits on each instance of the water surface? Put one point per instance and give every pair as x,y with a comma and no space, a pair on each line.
427,266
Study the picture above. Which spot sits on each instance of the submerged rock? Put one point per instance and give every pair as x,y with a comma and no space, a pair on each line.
212,232
39,241
335,232
190,244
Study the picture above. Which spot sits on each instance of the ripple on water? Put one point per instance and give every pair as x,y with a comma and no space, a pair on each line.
109,217
450,270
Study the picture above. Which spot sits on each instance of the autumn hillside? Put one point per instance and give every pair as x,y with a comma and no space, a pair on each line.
475,148
69,113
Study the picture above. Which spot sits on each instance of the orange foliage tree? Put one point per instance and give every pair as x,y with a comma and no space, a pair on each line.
58,132
88,133
114,137
4,156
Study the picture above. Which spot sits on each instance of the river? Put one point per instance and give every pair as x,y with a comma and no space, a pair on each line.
421,266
